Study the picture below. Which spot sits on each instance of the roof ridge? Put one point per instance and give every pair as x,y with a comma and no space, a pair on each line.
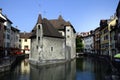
39,19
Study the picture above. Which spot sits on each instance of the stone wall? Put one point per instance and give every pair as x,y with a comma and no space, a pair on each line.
70,42
53,49
65,71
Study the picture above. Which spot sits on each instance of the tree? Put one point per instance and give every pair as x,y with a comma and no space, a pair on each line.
79,44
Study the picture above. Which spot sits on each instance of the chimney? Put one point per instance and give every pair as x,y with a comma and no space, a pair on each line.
0,10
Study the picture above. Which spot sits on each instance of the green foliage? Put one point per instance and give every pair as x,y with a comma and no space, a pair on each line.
79,44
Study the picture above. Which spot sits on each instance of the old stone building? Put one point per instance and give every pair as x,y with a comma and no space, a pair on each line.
2,28
52,40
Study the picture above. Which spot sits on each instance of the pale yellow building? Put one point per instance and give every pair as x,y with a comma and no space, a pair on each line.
25,42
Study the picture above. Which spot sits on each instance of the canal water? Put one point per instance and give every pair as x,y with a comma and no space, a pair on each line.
83,68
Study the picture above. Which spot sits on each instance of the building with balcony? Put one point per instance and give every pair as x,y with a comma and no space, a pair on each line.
112,26
104,37
97,40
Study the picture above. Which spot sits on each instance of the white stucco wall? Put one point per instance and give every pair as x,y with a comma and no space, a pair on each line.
34,50
46,53
27,43
71,41
88,43
53,48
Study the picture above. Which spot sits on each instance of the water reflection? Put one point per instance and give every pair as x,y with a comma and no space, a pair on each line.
24,71
83,68
54,72
21,71
92,69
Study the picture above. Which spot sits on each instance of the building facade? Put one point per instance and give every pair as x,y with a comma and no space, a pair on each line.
88,42
25,42
112,26
9,36
118,27
15,38
49,40
97,40
7,33
2,28
104,42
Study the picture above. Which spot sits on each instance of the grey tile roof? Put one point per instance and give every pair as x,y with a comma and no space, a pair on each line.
6,18
25,35
51,27
49,30
58,23
39,19
14,29
2,20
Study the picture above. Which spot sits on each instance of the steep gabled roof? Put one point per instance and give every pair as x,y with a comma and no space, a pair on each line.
51,27
69,24
58,23
39,21
2,20
5,17
49,30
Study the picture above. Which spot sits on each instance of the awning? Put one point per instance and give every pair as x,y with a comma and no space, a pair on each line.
117,55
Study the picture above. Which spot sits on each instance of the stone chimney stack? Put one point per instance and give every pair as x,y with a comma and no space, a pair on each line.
0,10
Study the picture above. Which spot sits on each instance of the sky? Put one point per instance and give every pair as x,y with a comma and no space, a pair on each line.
84,15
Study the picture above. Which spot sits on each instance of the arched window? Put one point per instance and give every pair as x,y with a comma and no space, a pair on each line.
38,26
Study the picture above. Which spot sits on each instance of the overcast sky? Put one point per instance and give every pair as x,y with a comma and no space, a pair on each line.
84,15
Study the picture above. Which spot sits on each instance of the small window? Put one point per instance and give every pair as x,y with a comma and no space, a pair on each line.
36,47
8,44
25,40
38,38
51,48
38,26
26,47
8,36
19,40
68,36
68,30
